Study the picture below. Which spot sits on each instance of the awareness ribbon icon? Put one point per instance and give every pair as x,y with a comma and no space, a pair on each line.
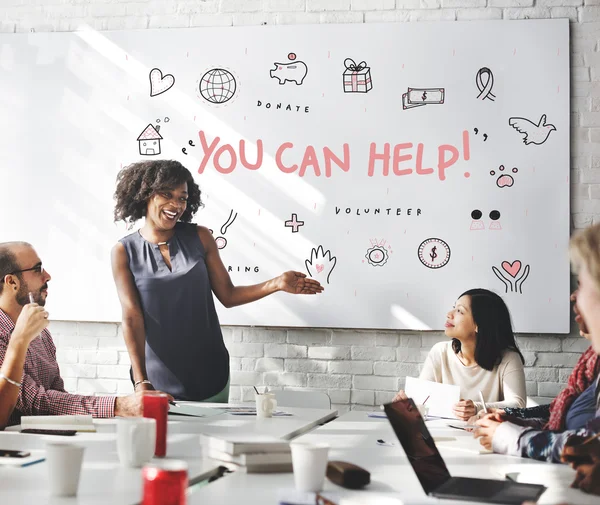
485,90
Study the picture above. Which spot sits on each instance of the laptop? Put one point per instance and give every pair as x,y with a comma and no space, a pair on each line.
432,472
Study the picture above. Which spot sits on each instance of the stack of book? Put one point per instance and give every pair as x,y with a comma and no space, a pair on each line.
249,453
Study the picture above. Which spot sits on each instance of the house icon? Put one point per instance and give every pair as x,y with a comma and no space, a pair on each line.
149,140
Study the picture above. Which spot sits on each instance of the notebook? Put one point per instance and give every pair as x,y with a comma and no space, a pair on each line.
32,459
240,444
84,423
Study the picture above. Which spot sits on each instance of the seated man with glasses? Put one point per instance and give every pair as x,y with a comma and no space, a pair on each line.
30,382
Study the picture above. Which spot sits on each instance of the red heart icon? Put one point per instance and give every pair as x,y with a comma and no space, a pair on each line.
513,268
320,268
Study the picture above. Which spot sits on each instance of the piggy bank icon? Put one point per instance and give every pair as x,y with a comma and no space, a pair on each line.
294,71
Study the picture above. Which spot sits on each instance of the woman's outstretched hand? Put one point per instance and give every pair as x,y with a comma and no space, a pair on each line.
298,284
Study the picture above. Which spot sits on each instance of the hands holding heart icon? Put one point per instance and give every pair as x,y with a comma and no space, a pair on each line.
512,275
320,264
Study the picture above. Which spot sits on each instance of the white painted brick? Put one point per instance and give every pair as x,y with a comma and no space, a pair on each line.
245,364
341,17
588,175
254,19
352,338
530,358
211,20
363,408
387,340
372,5
528,13
581,221
550,388
478,14
383,397
538,400
433,15
430,4
285,379
559,3
564,374
580,74
341,409
329,352
62,328
70,384
510,3
263,335
173,20
309,337
231,335
541,374
285,351
575,344
589,14
124,387
351,367
246,350
102,387
269,365
428,340
246,378
374,382
76,370
195,7
396,369
240,5
560,360
363,397
452,4
97,329
408,355
99,357
113,371
570,13
305,365
332,381
124,358
410,341
398,16
73,342
339,396
373,353
235,394
297,18
287,5
531,388
531,343
327,5
110,343
67,356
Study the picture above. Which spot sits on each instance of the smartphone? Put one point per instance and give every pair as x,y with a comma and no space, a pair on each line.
64,433
8,453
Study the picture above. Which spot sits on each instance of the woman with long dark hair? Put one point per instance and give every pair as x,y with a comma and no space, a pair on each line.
482,355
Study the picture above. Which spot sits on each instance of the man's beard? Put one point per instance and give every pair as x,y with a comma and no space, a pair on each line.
23,295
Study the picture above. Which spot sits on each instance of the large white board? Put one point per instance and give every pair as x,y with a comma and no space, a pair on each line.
357,150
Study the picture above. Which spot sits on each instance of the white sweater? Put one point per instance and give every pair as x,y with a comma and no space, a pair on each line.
502,387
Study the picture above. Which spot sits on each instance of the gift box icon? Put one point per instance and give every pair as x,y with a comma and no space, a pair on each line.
357,78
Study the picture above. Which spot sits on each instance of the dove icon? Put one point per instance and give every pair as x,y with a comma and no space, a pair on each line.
534,133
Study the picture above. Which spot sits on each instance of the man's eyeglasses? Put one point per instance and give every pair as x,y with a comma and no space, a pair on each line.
38,269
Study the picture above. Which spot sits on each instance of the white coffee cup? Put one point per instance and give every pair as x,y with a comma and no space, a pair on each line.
64,467
265,404
310,464
136,439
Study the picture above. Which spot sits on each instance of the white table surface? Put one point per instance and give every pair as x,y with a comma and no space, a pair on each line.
353,438
104,481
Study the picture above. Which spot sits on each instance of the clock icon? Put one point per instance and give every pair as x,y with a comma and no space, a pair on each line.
434,253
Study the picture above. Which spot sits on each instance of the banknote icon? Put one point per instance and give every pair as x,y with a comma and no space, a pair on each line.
417,97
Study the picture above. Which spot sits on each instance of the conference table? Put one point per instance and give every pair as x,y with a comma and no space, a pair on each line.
354,437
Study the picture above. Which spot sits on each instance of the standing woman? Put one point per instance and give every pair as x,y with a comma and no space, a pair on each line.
482,355
166,273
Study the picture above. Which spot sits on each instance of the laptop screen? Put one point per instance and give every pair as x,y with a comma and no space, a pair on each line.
417,443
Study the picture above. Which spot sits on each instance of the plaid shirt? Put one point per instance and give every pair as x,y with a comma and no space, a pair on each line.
43,390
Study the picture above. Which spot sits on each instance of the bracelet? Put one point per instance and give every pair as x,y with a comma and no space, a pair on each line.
10,381
145,381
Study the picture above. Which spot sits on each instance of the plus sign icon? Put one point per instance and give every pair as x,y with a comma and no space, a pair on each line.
294,224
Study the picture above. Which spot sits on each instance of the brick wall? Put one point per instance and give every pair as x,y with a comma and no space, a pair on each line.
364,368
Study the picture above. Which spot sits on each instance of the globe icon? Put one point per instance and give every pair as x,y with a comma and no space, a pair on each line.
217,85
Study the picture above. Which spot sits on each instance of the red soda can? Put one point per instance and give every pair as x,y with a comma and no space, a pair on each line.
156,406
165,482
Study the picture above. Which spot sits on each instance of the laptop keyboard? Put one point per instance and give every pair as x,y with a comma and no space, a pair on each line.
476,488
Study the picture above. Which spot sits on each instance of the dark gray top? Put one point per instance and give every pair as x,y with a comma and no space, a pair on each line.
185,353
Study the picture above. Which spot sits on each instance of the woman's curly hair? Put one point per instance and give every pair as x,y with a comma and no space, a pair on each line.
139,181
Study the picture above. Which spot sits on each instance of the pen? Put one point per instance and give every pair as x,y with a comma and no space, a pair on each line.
483,402
173,403
31,299
591,438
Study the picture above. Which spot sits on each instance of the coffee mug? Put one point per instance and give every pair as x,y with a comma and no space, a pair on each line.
136,440
265,404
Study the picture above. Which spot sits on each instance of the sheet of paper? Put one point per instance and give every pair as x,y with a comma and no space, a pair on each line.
193,409
442,397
